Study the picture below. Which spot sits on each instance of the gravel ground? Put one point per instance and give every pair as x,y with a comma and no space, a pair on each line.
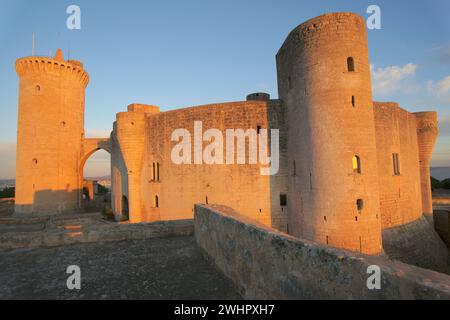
168,268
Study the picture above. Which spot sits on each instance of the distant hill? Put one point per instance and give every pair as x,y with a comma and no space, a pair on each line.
436,184
440,173
98,178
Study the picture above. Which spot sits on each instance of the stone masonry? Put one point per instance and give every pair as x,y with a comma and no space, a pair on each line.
349,167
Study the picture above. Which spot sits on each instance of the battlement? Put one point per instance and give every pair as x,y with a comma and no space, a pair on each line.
258,96
147,109
41,64
427,122
339,22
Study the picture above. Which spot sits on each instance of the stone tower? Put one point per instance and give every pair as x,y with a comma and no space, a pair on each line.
50,134
427,132
131,138
324,83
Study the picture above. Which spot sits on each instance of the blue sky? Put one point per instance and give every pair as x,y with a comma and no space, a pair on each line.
181,53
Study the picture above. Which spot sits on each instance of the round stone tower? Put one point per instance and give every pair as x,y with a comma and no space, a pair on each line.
427,132
324,83
50,134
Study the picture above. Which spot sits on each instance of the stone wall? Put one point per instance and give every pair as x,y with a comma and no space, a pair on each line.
61,230
400,195
417,243
442,225
266,264
178,187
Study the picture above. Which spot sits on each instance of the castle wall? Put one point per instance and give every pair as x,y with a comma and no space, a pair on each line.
400,195
279,182
266,264
50,133
417,243
330,120
179,187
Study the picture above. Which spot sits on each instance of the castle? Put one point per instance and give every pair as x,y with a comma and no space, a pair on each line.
349,167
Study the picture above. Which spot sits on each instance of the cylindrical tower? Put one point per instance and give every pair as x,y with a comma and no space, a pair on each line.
50,134
324,83
427,132
130,131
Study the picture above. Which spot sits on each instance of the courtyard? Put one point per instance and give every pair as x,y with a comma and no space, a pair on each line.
158,268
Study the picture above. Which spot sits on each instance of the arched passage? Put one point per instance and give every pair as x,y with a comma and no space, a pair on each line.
94,172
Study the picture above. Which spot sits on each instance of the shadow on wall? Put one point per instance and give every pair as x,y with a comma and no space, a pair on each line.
45,200
417,243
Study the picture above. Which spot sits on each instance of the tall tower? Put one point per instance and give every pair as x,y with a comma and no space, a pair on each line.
324,83
130,129
427,132
50,134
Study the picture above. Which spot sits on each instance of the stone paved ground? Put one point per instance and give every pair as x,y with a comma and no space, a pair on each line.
166,268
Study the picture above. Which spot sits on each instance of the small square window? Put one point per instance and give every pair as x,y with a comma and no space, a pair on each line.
283,200
396,164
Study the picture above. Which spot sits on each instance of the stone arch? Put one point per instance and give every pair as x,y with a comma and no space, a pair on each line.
90,146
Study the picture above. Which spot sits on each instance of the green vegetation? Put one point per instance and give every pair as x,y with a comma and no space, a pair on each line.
7,193
436,184
102,189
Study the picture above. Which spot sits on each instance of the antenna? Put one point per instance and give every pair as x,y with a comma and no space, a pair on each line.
33,45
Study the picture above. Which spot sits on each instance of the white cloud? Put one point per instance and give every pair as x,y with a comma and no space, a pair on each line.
439,89
391,79
444,126
95,133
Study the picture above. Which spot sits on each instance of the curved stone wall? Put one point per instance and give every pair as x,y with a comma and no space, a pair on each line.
178,187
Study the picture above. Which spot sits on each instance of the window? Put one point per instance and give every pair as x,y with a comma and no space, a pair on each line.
360,204
259,129
356,164
396,164
154,172
157,171
206,200
350,64
35,162
156,201
37,89
294,167
353,101
283,200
